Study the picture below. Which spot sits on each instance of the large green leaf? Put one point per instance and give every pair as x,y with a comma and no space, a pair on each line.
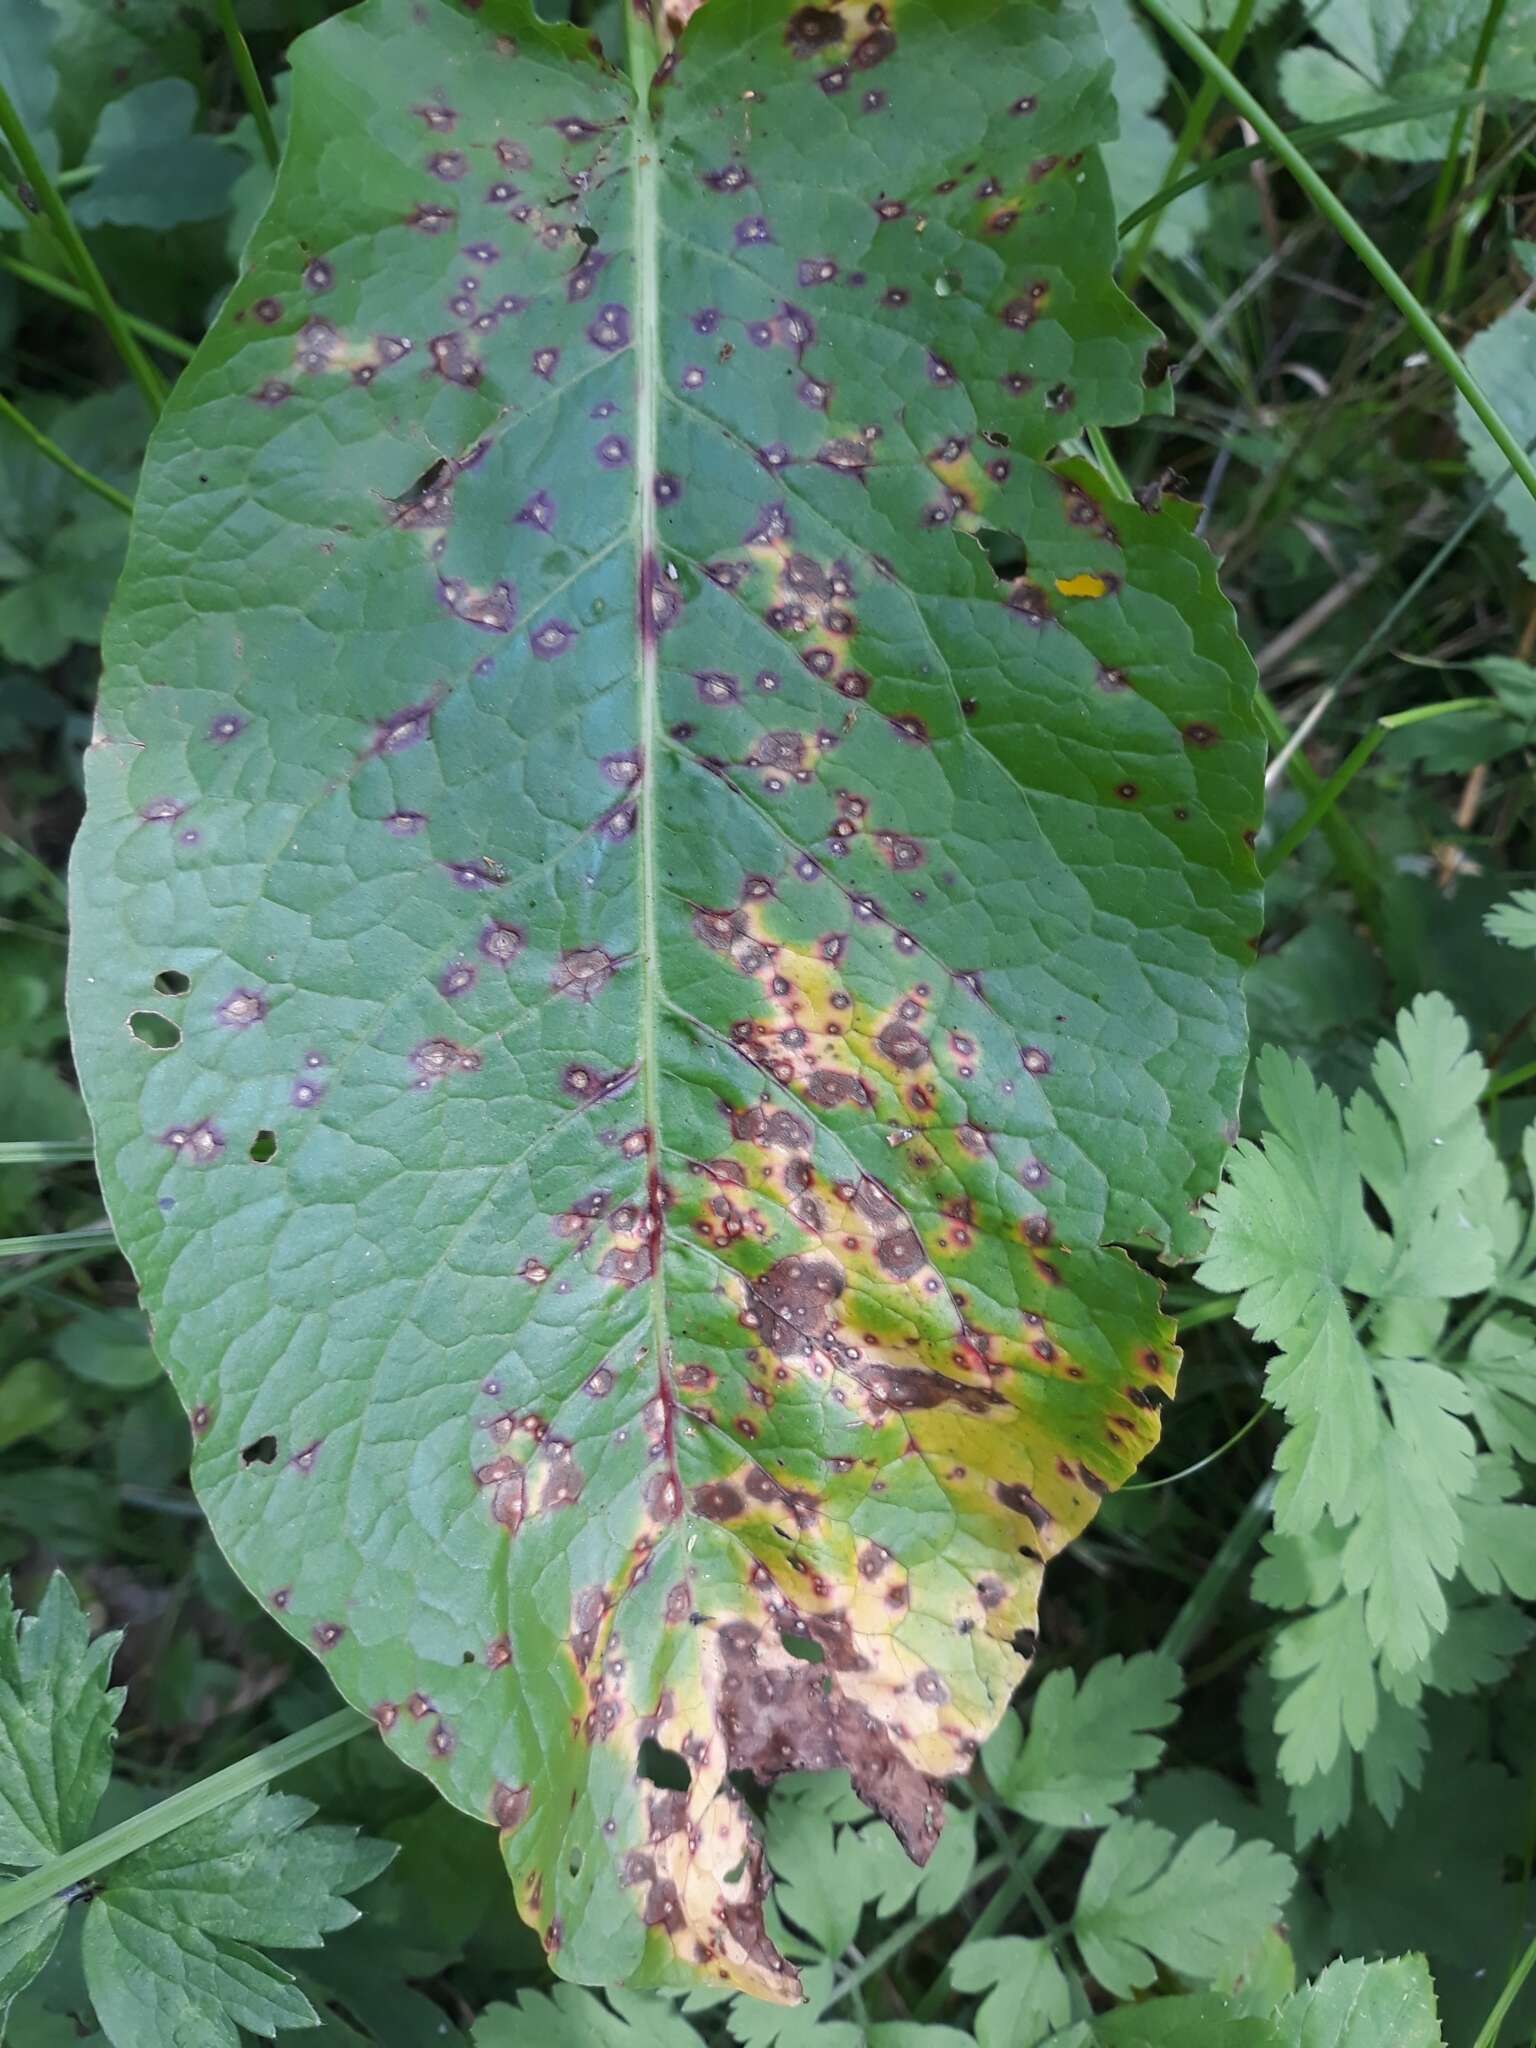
681,968
1381,54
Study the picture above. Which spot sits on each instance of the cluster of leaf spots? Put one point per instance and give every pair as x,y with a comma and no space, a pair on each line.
681,969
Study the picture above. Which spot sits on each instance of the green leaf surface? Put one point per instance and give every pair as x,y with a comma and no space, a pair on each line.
108,1348
1503,360
60,548
1195,1905
153,169
683,974
1027,1993
57,1718
1364,2005
1138,158
30,81
1085,1744
170,1942
1514,920
568,2017
1376,54
57,1715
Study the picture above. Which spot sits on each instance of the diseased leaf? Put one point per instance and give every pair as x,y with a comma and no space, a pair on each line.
1195,1905
682,973
1085,1745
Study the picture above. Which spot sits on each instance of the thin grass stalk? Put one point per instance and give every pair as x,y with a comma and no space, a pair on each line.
71,295
1339,217
1195,120
81,261
55,454
250,84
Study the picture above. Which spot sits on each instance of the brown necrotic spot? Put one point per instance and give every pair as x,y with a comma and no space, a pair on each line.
199,1144
500,942
901,1253
407,727
829,1088
435,1059
242,1008
718,1501
493,610
327,1634
1020,1501
811,30
903,1046
763,1127
551,639
582,973
509,1806
793,1303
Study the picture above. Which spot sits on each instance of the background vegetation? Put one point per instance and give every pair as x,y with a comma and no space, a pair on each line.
1363,1704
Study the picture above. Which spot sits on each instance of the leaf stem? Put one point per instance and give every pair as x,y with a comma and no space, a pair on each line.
67,463
250,84
1313,131
235,1781
1195,119
89,1235
44,1151
1329,793
1339,217
81,261
1492,15
50,1269
1503,1083
1221,1450
1488,2033
71,294
1194,1617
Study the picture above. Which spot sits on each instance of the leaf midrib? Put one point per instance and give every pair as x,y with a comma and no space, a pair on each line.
647,360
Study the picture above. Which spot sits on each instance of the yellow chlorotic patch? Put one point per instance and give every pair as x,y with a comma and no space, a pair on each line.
1081,586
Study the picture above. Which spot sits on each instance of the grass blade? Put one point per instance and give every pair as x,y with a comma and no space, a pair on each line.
1339,217
67,463
81,261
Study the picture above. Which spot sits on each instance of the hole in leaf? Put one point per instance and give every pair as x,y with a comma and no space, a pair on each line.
574,1864
264,1147
261,1452
153,1030
663,1767
586,236
468,1657
1003,551
804,1647
735,1874
170,981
